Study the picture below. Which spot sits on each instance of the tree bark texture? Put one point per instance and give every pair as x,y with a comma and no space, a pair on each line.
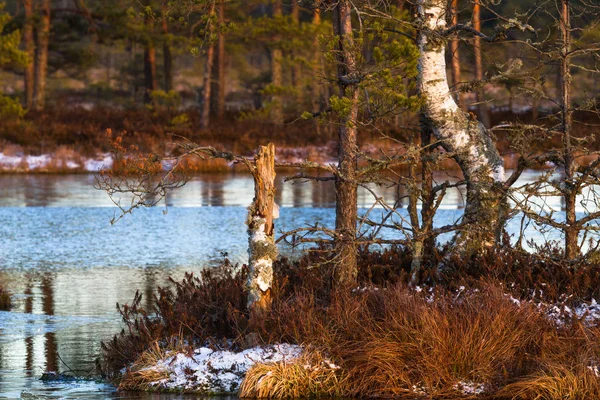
41,56
346,268
29,45
261,242
465,138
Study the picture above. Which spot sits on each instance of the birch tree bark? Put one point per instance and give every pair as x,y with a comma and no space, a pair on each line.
41,57
465,138
346,268
261,241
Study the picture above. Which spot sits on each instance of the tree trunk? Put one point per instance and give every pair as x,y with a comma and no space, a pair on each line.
569,192
346,269
277,73
207,81
316,66
150,81
468,140
261,242
41,57
482,109
218,90
455,56
167,57
296,69
30,50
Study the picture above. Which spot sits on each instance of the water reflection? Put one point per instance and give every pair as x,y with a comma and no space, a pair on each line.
67,266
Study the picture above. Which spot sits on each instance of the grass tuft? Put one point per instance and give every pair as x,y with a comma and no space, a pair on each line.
310,375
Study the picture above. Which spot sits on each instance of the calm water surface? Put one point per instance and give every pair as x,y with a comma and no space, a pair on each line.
67,266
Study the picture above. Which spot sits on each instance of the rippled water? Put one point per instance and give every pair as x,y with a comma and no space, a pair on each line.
67,266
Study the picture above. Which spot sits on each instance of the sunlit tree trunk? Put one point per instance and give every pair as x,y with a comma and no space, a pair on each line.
346,271
466,139
482,109
316,66
218,91
569,192
167,56
261,228
208,65
29,45
150,81
296,68
41,56
277,72
455,56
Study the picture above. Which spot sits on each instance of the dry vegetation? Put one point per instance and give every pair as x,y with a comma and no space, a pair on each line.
388,340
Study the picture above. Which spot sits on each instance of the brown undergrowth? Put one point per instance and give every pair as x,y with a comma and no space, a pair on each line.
384,339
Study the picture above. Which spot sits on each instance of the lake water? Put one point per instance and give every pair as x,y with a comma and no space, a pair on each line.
67,266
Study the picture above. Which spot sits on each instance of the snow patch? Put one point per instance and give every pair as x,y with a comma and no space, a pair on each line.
217,372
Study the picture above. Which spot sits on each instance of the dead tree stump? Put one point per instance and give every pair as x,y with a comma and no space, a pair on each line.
261,240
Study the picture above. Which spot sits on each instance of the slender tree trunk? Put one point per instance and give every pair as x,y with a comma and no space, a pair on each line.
346,272
30,50
316,65
41,57
455,57
296,69
277,73
150,81
468,140
482,109
167,57
262,250
207,81
569,192
218,90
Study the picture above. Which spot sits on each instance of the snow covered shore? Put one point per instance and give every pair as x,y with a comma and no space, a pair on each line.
207,371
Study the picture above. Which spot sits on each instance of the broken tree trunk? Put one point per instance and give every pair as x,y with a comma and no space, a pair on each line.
261,241
464,137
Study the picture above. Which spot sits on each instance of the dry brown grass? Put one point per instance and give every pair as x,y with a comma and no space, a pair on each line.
145,369
389,342
310,375
557,382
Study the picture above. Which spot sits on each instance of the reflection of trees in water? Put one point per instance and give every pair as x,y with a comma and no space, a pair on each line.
50,345
39,191
212,192
29,339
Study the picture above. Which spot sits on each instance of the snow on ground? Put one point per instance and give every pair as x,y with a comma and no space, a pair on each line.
20,162
217,372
